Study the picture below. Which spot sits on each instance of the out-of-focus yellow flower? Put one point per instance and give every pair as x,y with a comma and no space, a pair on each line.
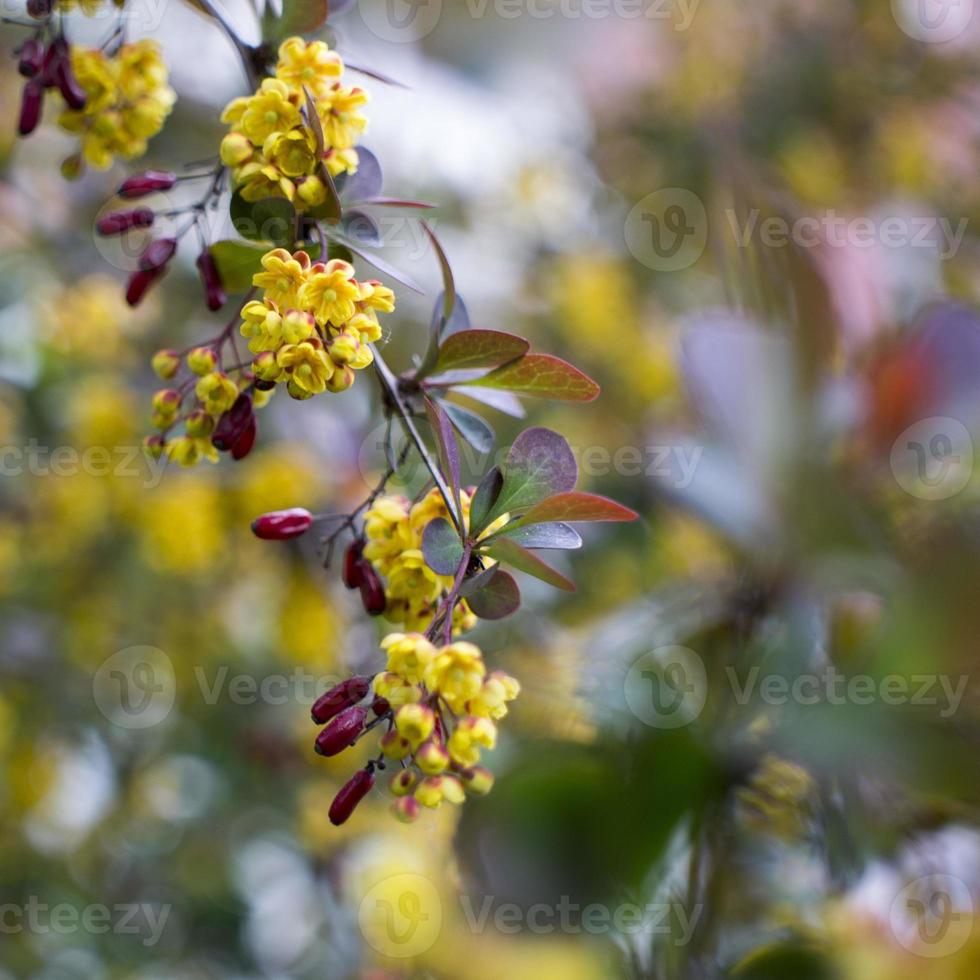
308,626
181,525
456,673
408,655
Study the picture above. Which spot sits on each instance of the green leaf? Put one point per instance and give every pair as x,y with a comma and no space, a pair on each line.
483,500
297,17
511,553
442,547
498,598
541,376
575,506
478,349
555,536
540,463
237,262
448,450
472,427
273,219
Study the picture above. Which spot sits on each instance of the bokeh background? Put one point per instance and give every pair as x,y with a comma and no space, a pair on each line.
791,407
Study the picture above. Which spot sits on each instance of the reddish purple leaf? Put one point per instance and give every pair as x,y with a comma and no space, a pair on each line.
541,376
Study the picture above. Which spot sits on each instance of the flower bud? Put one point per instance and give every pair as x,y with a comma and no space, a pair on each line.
31,57
372,591
341,379
432,757
166,401
352,574
280,525
73,166
343,348
165,363
477,780
415,722
154,446
234,423
266,368
341,732
214,293
146,183
235,149
30,107
202,360
351,794
117,222
402,783
199,424
341,696
394,746
139,282
406,809
157,254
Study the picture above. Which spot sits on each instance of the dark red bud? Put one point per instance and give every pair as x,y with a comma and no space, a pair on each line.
117,222
341,696
280,525
31,58
380,706
345,802
246,441
341,732
147,183
157,254
214,292
56,53
139,282
58,72
233,424
372,591
261,385
38,9
30,107
352,575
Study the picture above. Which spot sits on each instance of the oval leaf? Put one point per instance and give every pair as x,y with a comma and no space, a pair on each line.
498,598
511,553
557,536
478,349
273,219
542,376
474,429
441,546
366,180
485,497
237,262
575,506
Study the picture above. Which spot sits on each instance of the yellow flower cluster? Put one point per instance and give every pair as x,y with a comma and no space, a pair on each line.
445,708
313,327
270,149
127,99
394,529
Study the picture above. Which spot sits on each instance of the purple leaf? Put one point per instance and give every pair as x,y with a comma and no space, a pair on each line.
555,536
498,598
442,547
511,553
366,180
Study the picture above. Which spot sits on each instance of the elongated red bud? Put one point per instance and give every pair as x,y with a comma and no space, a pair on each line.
341,696
246,441
31,58
354,790
139,282
372,591
157,254
233,423
146,183
58,72
352,575
214,293
341,732
30,107
119,221
280,525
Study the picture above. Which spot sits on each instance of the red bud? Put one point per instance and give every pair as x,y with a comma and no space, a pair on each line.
57,72
30,107
214,292
233,424
119,221
139,282
280,525
380,706
245,442
146,183
341,732
345,802
341,696
352,560
157,254
38,9
372,591
31,57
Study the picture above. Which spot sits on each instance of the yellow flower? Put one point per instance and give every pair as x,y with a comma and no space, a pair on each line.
236,149
456,674
468,737
330,292
268,111
283,278
216,392
415,723
262,326
190,450
376,296
294,153
341,161
307,365
340,116
491,700
308,65
410,576
396,689
434,789
261,180
408,654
